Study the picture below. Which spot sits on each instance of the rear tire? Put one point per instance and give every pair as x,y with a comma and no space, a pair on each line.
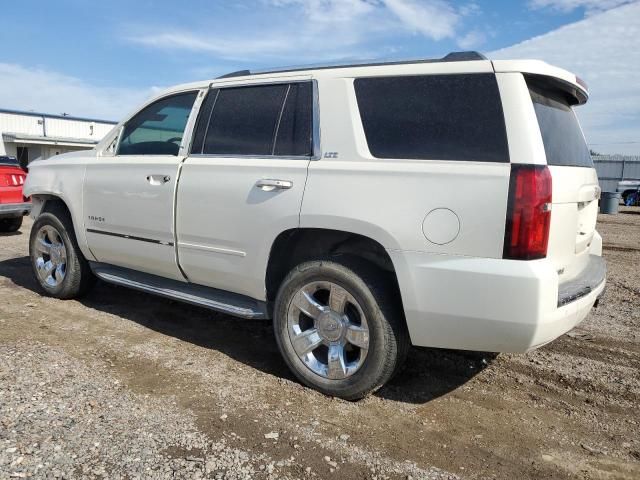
8,225
358,338
58,264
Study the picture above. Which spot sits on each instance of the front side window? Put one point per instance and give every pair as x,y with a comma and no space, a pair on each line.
158,128
261,120
433,117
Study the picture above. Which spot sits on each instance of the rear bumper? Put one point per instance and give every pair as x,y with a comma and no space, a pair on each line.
490,304
590,279
14,209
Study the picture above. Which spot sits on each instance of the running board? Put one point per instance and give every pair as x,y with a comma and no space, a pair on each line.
212,298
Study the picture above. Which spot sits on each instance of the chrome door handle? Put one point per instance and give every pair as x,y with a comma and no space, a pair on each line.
268,185
158,179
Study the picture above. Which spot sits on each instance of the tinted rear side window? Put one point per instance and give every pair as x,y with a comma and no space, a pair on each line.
260,120
564,143
433,117
294,130
244,120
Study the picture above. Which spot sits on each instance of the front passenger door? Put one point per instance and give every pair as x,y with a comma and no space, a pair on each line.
128,197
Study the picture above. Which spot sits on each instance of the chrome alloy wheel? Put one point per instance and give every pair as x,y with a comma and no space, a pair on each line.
328,330
50,256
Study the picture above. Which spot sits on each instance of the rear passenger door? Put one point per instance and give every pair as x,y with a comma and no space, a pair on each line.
243,182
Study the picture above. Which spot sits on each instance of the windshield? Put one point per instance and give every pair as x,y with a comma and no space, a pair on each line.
563,140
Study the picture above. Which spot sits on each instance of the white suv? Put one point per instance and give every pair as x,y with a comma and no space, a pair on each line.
442,203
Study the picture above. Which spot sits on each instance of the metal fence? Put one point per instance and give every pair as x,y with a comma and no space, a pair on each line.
613,168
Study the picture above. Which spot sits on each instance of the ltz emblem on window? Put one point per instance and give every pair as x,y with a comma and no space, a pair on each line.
331,155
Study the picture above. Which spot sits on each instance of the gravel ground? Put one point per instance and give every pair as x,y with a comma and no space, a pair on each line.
126,385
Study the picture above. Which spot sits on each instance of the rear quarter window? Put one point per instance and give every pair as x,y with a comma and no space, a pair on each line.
433,117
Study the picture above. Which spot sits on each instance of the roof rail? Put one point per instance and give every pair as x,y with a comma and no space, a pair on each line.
450,57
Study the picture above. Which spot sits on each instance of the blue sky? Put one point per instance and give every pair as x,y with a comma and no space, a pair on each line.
102,58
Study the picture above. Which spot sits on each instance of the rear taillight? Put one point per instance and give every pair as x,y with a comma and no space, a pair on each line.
11,180
528,213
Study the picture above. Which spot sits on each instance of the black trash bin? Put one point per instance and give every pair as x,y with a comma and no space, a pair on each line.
609,202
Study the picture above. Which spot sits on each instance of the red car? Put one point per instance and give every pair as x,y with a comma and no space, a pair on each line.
13,205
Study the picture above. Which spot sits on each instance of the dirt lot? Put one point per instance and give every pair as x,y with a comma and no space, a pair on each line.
127,385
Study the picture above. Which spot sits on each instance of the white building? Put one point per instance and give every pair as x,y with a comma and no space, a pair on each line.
30,135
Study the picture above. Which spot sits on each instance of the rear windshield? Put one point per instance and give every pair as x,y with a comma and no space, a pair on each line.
13,161
563,140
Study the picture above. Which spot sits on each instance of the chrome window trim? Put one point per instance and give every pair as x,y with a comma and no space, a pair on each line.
263,157
315,127
316,144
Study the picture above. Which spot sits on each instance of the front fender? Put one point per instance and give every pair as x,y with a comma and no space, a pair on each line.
64,183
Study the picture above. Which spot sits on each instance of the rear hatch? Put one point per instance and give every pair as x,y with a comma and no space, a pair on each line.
574,180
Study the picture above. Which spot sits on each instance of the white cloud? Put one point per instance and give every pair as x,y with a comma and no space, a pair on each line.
603,49
319,29
322,29
590,6
470,9
435,19
328,11
51,92
472,39
226,48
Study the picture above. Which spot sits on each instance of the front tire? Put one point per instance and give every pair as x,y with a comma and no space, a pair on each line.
10,225
339,326
58,264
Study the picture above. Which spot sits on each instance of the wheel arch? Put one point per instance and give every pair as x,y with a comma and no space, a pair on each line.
44,201
296,245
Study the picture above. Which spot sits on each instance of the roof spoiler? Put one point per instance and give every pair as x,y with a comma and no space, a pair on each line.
547,76
576,94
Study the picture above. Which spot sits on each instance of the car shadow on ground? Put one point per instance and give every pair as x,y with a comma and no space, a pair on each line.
10,234
428,374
